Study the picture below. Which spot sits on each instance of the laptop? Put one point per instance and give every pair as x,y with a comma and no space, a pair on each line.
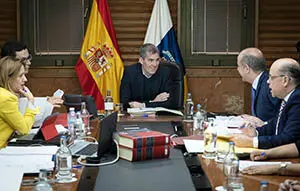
36,136
90,149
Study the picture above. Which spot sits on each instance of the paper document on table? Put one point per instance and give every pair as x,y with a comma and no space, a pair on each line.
11,177
34,150
33,158
194,146
222,145
245,164
28,163
45,109
149,110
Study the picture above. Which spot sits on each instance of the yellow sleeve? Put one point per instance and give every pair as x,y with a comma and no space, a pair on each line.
14,118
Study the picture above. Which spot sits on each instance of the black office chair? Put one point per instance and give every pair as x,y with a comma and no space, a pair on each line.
74,100
177,78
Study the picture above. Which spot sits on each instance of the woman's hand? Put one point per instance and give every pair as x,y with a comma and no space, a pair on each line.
258,155
27,93
55,101
288,185
264,170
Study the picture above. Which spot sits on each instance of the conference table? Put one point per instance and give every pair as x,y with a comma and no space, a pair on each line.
95,132
211,169
214,173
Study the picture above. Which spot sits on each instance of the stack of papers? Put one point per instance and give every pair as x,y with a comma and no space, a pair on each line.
148,110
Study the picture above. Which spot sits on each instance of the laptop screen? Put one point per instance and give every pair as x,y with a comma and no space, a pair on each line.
107,127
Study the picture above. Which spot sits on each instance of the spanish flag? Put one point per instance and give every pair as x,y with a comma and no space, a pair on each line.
100,67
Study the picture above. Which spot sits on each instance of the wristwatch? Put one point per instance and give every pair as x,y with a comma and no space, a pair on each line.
282,168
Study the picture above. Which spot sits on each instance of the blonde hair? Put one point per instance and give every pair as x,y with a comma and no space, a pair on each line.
9,70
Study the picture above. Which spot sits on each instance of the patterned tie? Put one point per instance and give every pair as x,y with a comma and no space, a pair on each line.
279,115
253,95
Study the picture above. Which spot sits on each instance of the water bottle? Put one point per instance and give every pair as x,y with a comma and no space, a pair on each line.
199,119
79,126
85,118
189,108
263,186
230,165
108,103
42,184
64,162
71,116
210,140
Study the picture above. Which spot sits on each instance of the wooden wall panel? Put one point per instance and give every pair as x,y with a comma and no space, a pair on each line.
130,20
278,32
278,28
220,89
8,20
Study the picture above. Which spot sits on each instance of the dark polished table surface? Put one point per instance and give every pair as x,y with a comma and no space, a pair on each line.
95,130
214,172
212,169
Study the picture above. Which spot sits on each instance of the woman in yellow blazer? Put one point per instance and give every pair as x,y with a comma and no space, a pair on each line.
12,85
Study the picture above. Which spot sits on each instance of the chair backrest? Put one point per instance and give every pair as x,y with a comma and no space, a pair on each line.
74,100
177,78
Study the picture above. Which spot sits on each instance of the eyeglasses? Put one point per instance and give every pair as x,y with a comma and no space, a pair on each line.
273,77
28,58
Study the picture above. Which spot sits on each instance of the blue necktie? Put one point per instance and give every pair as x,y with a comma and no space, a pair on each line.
253,95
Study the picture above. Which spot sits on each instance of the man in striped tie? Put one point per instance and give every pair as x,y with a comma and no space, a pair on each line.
284,81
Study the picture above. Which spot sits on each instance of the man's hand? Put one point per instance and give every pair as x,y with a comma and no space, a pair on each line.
288,185
161,97
135,104
265,169
249,130
55,101
254,120
241,140
258,155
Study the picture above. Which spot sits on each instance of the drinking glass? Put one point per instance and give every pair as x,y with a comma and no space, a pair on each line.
235,183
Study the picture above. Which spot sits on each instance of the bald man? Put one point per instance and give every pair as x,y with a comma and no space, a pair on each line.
251,65
284,128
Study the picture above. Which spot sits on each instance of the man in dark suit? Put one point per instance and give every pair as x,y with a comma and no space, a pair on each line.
146,84
284,80
252,68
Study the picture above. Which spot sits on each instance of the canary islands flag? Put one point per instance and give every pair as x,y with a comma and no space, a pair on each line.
161,33
100,67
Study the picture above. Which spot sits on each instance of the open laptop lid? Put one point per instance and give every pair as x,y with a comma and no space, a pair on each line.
107,127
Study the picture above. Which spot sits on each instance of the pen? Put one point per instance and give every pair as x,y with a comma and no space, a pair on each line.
76,166
263,154
130,128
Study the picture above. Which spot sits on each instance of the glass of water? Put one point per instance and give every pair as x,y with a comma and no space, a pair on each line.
221,153
235,183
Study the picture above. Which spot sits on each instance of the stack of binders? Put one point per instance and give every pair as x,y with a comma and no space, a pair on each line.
143,144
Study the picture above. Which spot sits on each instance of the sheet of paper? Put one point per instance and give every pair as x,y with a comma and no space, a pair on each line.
33,158
35,150
29,163
245,164
194,146
45,109
222,144
10,177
